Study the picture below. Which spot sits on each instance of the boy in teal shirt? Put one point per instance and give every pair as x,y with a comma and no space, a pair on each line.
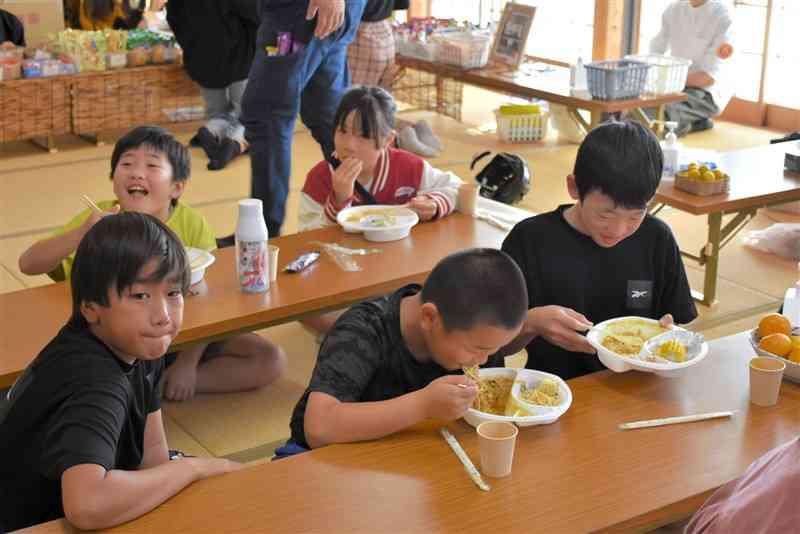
149,172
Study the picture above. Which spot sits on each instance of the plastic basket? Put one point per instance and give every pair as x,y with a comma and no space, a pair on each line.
464,50
522,128
616,79
667,74
424,50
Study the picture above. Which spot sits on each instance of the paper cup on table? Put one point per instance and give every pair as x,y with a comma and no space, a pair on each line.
468,198
766,375
496,440
272,255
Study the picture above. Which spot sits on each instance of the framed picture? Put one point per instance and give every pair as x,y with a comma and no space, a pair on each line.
512,34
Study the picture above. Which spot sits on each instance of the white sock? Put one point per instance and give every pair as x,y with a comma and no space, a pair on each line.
408,140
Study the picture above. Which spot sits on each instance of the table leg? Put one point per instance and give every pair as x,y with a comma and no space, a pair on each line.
579,120
710,256
441,105
658,127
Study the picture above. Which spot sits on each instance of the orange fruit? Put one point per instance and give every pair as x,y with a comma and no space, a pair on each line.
774,323
795,341
794,356
777,344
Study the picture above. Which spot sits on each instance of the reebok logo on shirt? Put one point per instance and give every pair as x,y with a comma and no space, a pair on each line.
640,294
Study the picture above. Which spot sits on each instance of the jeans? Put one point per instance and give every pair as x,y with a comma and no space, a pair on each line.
223,110
308,82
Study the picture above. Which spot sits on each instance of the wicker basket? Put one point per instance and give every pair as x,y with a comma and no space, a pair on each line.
616,79
667,74
522,128
37,107
133,96
700,188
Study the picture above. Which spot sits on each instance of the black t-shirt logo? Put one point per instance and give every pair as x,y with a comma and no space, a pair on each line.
640,294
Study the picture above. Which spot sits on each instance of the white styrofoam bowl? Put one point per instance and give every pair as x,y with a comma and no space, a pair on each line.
405,219
543,414
199,260
621,364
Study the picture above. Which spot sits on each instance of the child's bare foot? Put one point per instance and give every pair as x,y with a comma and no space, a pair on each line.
180,381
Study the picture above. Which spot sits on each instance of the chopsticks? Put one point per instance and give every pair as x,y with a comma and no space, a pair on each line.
472,471
675,420
89,202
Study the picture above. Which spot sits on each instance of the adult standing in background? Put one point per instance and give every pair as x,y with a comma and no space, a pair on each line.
370,56
308,80
218,38
699,30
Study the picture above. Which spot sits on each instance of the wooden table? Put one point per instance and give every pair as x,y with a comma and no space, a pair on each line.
758,180
29,318
551,85
579,474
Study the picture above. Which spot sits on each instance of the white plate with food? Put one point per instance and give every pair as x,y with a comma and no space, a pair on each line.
378,222
640,343
792,371
521,396
199,261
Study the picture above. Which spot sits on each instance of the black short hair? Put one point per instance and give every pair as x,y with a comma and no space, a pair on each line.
477,286
622,160
161,141
374,112
113,252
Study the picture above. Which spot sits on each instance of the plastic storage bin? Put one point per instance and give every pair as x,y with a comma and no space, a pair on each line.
667,74
468,51
424,50
616,79
521,127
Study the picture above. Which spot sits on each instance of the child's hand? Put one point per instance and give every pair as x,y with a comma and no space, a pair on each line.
344,179
560,326
667,321
449,397
180,380
95,216
424,206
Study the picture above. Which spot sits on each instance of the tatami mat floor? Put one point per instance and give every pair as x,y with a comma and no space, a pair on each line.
40,191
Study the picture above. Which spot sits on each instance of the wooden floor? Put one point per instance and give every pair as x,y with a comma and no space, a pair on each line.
40,191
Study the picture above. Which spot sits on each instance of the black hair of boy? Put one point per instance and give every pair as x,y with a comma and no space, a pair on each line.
374,108
159,140
480,286
622,160
113,252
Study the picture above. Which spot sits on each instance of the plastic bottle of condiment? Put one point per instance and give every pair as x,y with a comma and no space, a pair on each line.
671,149
791,303
577,76
252,264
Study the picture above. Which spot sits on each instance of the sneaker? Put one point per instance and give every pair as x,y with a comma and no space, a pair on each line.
407,139
226,150
427,137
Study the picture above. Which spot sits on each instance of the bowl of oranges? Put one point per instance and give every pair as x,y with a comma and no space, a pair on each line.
776,338
702,178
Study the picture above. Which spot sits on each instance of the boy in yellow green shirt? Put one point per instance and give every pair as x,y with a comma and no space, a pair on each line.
149,172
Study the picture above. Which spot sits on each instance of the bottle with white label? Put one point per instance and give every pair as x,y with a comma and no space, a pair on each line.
791,303
252,264
671,149
577,76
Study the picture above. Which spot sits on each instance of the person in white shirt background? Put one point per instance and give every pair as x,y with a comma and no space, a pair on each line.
699,30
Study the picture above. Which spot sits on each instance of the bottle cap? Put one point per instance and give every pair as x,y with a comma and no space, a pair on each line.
250,207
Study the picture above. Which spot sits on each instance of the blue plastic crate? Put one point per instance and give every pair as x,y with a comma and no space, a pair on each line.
616,79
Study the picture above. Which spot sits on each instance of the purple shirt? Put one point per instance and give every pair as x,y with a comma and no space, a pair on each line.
765,499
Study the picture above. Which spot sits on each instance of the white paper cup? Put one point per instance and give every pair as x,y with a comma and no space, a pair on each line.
766,375
468,198
496,441
272,257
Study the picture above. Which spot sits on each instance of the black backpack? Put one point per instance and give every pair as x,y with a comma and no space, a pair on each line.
506,178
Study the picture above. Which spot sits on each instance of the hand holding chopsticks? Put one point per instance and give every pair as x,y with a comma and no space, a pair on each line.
89,202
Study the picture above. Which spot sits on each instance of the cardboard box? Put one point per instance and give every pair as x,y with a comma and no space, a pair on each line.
39,17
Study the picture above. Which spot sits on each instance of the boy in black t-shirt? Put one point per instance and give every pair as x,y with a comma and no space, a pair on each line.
82,434
387,363
600,258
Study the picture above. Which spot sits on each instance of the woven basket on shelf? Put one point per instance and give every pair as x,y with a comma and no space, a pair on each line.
34,108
